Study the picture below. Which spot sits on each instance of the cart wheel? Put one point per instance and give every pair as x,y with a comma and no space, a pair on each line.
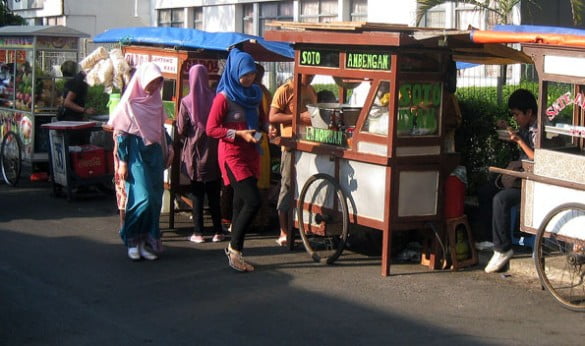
323,218
559,255
11,158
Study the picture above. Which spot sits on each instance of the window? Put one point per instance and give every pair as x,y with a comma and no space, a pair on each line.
248,19
198,18
359,11
563,117
278,10
174,17
318,11
434,19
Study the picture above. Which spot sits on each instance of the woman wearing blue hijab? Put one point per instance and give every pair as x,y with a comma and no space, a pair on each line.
234,120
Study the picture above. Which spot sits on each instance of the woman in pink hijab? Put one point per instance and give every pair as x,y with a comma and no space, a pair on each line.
138,122
199,155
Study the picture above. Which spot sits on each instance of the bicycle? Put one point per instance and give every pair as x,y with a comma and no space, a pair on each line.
559,255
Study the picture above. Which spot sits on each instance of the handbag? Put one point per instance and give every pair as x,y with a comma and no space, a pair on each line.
506,181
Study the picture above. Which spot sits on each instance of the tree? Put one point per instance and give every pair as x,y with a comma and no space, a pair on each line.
7,17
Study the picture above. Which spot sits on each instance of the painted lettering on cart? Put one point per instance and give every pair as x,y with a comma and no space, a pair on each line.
324,136
368,61
563,101
319,58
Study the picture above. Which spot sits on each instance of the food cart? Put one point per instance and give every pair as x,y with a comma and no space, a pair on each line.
381,164
175,50
76,166
30,90
553,185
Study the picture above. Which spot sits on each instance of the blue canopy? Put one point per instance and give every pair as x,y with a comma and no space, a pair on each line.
182,38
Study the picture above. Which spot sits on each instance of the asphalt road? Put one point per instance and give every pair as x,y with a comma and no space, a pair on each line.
65,280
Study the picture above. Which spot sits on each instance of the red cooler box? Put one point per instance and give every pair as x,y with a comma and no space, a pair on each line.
89,162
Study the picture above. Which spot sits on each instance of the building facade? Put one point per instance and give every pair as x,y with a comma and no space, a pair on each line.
88,16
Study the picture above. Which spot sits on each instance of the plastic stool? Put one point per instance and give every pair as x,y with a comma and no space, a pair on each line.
452,225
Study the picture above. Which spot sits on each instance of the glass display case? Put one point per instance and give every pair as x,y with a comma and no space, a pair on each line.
31,84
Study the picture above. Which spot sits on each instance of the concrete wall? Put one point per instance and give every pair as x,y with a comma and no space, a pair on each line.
220,18
94,17
394,11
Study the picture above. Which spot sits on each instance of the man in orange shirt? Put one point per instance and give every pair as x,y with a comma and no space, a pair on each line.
282,111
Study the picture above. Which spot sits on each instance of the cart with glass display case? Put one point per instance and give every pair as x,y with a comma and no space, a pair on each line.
553,184
30,91
383,162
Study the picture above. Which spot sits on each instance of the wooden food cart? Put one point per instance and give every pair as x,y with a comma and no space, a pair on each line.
553,185
30,90
383,163
175,50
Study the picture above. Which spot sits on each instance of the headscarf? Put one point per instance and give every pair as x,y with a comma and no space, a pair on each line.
138,112
198,101
238,64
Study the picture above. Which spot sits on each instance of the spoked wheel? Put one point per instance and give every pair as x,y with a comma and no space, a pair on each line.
559,255
323,218
11,158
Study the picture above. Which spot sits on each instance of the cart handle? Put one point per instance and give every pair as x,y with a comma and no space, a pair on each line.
539,178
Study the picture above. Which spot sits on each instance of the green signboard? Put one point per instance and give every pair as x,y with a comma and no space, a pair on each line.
322,58
368,61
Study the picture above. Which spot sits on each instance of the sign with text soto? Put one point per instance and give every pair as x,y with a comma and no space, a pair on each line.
321,58
368,61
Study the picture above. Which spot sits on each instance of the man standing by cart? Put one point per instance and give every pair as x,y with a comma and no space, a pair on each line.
281,114
523,107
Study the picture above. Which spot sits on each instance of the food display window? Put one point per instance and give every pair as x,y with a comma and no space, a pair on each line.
31,84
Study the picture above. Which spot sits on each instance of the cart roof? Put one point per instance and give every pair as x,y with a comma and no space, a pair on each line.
545,35
182,38
383,34
39,30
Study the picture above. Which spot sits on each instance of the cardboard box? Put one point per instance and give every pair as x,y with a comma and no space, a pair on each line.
89,162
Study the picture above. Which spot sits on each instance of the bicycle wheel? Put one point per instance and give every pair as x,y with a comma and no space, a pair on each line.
11,159
559,255
323,218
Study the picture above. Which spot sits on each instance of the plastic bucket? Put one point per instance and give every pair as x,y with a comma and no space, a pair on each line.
113,102
454,197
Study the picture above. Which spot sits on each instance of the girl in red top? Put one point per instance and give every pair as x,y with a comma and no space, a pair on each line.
234,120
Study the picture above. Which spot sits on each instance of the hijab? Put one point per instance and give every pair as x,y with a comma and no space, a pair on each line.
238,64
198,100
140,113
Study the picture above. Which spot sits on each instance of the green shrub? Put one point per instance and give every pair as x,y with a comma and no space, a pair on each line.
477,141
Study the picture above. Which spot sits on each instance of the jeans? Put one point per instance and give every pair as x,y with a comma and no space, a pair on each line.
502,204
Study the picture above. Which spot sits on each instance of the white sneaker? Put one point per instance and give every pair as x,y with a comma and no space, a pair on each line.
498,261
133,253
197,238
218,237
146,254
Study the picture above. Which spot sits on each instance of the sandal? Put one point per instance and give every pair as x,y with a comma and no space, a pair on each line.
281,241
236,260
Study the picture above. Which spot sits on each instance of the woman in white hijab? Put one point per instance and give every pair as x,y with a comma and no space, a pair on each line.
138,122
